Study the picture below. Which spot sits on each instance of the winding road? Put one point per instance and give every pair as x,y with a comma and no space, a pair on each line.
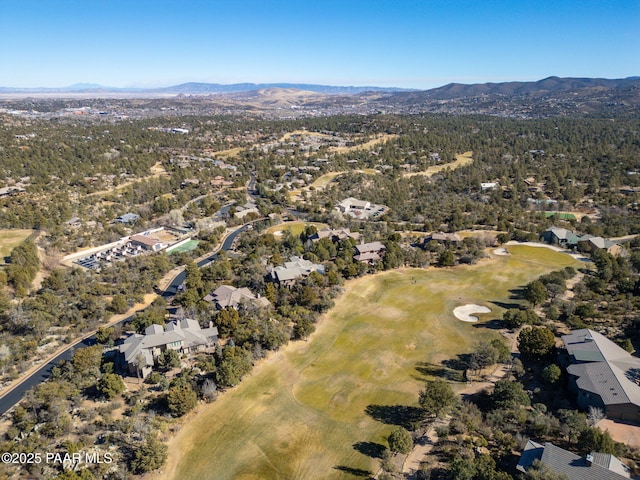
15,393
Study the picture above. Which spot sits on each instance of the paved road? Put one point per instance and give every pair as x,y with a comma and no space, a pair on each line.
172,288
12,397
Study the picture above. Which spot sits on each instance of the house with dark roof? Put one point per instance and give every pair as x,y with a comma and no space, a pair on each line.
560,236
127,218
228,296
140,352
595,466
602,374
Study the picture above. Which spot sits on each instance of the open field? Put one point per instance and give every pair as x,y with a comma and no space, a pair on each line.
384,137
321,182
461,160
305,133
157,170
232,152
296,228
311,409
11,238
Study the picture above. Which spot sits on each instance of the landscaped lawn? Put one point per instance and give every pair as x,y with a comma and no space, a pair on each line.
316,409
11,238
295,228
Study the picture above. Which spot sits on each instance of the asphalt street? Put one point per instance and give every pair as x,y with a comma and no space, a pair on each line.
15,395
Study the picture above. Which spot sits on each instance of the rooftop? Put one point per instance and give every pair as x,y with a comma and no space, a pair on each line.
602,367
601,466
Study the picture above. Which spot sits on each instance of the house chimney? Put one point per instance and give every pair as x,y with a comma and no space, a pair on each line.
589,460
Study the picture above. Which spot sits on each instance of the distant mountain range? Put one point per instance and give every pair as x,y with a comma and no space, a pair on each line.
552,96
194,88
545,86
549,97
450,91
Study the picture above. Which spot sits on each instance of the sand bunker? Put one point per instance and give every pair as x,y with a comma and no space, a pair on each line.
501,251
464,312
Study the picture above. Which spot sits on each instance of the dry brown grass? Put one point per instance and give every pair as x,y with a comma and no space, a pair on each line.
10,238
157,170
305,133
461,160
232,152
299,413
383,137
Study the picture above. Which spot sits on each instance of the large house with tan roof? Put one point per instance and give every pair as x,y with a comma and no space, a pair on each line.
293,270
228,296
334,235
370,252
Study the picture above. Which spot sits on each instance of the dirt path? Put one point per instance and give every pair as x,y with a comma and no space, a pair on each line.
571,283
425,444
421,449
43,271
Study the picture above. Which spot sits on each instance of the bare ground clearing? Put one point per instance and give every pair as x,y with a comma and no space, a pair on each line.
461,160
156,170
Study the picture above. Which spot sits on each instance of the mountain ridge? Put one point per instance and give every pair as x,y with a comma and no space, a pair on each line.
452,90
199,88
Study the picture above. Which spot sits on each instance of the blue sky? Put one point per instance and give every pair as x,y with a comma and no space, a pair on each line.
404,43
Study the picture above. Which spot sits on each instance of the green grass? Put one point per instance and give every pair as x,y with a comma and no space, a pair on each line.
186,247
324,180
299,415
560,215
11,238
296,228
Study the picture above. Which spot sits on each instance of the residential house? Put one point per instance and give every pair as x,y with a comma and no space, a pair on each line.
75,222
560,236
588,243
246,209
189,181
293,270
127,218
352,204
146,242
602,374
370,252
360,208
219,181
488,185
443,238
595,466
227,296
140,352
334,235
